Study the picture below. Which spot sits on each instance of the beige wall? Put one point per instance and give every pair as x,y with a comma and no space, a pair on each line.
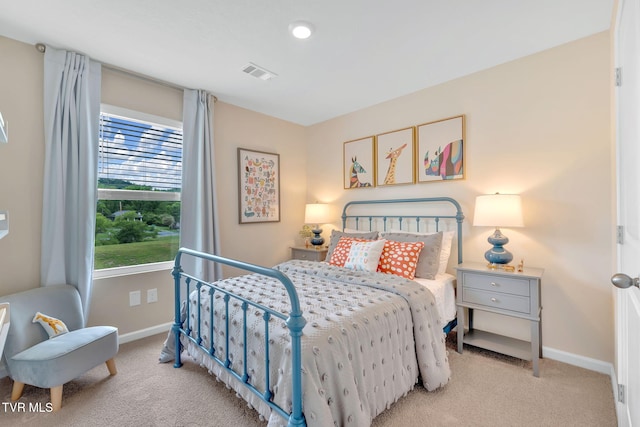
21,164
540,127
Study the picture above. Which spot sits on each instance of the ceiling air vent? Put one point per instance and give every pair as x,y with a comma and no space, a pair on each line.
258,72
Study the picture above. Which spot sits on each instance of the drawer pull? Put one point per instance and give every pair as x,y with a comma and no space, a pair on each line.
494,284
493,299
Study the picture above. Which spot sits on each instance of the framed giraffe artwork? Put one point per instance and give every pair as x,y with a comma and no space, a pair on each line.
258,186
440,146
359,163
395,157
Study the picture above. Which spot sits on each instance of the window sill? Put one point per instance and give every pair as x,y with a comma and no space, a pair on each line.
132,270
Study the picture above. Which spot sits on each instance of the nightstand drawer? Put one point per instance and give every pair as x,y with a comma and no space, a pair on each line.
309,254
497,300
494,283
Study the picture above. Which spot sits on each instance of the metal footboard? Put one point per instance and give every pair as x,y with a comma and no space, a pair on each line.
294,320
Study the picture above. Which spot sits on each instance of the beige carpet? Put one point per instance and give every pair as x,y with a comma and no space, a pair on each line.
485,390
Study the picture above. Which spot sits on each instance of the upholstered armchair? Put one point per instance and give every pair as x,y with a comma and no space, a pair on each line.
33,357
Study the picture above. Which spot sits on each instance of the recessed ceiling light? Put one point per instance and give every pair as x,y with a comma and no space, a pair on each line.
301,29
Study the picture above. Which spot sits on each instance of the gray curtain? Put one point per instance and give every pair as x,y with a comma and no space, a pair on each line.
198,216
71,120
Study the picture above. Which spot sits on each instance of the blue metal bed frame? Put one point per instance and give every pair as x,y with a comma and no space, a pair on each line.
294,320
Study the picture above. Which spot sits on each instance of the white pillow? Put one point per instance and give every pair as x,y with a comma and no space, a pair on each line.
445,250
364,256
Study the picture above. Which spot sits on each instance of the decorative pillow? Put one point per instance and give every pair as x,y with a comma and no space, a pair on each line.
445,251
53,326
429,259
400,258
364,256
336,235
341,251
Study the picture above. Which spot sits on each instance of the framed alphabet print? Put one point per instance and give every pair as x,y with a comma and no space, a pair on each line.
440,148
258,186
358,163
395,157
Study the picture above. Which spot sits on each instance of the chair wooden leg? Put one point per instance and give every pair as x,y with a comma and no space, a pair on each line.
111,365
56,397
16,392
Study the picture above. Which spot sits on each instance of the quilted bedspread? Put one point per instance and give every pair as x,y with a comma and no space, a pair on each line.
368,338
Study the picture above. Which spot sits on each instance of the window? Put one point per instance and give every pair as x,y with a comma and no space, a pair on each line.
139,182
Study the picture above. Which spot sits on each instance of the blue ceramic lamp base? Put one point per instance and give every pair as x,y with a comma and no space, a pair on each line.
498,254
317,239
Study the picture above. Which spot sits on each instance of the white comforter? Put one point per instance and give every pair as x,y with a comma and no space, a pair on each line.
368,336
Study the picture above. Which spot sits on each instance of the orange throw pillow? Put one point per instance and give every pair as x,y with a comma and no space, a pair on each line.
400,258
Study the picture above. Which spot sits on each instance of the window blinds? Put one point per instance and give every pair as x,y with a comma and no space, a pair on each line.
139,153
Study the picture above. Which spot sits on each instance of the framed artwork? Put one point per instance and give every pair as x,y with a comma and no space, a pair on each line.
258,186
395,157
358,163
440,150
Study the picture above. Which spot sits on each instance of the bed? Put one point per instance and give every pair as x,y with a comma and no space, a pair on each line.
322,344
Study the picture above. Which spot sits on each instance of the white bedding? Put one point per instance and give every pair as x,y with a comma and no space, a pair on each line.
368,337
443,288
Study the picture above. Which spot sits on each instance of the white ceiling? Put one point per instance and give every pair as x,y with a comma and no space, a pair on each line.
363,52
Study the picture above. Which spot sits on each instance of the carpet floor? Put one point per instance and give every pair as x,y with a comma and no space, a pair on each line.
486,389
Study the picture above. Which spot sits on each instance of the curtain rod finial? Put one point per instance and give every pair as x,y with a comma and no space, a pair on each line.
41,47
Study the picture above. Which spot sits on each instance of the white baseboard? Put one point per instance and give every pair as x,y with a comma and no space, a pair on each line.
580,361
143,333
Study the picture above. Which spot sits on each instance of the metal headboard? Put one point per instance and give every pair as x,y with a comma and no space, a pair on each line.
458,216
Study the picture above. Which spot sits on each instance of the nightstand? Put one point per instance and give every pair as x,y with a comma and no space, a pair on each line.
310,253
509,294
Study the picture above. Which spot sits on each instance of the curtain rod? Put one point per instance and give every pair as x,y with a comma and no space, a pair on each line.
41,47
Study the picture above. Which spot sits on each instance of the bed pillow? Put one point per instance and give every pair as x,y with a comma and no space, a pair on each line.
400,258
429,259
54,327
445,250
364,256
336,235
341,250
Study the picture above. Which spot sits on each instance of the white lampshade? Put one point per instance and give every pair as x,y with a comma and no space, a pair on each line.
498,210
316,213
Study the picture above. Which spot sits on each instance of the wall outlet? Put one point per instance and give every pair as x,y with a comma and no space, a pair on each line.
152,295
134,298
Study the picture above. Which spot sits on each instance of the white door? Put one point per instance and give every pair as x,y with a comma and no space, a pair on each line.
627,45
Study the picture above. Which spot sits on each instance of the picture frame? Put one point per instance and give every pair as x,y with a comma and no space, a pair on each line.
358,159
395,153
258,186
441,150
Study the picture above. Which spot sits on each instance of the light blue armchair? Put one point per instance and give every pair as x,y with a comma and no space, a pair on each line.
33,358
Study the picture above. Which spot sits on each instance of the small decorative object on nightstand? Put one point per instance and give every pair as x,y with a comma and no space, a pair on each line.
501,292
314,253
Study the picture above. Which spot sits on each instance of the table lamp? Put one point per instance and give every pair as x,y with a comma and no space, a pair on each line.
314,215
498,210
